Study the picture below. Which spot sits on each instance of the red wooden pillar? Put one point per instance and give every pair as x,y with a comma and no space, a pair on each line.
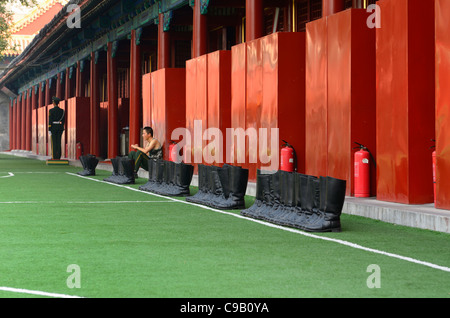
34,122
68,92
22,122
254,19
163,45
199,32
405,116
350,93
316,109
48,98
40,137
330,7
238,103
113,133
135,88
14,110
79,84
41,95
17,122
442,11
95,108
58,86
11,125
28,120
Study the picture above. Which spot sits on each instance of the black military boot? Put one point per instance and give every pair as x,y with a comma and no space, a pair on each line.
332,197
155,176
160,166
214,188
126,171
310,201
115,174
89,163
234,190
295,216
83,164
151,176
202,185
182,179
273,204
222,186
165,188
262,180
287,197
92,163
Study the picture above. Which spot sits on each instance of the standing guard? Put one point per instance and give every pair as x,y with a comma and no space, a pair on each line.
56,127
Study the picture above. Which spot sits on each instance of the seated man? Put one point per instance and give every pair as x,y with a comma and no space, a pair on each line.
152,150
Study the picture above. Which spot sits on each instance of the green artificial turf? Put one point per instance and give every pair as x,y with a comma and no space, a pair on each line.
164,249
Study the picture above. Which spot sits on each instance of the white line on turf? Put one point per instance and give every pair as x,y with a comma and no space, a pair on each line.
34,172
36,292
342,242
10,174
81,202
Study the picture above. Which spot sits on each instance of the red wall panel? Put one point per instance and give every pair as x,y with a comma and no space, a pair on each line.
219,104
191,104
103,129
291,92
442,11
316,143
42,130
78,125
339,91
208,104
351,93
201,109
146,99
254,102
269,103
405,98
167,110
34,131
196,108
275,91
238,103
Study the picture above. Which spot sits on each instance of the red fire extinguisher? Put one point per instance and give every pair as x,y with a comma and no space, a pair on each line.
79,150
173,152
362,171
287,157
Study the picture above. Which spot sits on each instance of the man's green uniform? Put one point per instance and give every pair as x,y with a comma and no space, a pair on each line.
56,121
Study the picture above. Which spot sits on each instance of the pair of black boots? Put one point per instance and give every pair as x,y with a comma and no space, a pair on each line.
168,178
123,171
89,163
221,187
301,201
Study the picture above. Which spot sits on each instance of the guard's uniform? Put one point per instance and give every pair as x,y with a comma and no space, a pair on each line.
56,120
